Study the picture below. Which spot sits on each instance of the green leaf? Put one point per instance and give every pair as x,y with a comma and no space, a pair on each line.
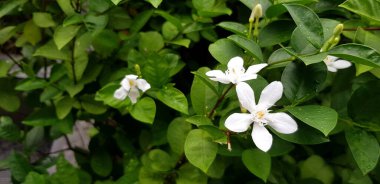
147,176
202,95
31,84
303,82
160,160
95,22
304,135
6,33
140,20
311,59
276,32
101,162
223,50
35,178
9,131
364,147
368,9
357,53
320,117
34,138
308,22
66,173
9,6
169,30
189,174
280,58
151,41
257,162
173,98
116,2
50,51
249,45
106,96
177,133
45,117
19,166
155,3
144,110
66,7
234,27
211,8
63,35
9,100
181,42
42,19
31,34
316,167
106,42
199,149
80,56
199,120
73,19
99,6
63,107
92,106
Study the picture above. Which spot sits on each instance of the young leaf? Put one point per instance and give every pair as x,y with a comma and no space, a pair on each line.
308,22
144,110
200,150
364,147
257,162
155,3
320,117
173,98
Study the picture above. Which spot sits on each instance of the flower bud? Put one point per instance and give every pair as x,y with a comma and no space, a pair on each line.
338,30
137,69
256,13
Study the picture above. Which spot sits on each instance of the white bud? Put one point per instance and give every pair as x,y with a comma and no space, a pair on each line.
256,13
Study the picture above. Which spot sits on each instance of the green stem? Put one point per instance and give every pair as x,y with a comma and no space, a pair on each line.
250,30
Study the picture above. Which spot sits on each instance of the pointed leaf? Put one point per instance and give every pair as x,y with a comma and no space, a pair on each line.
257,162
144,110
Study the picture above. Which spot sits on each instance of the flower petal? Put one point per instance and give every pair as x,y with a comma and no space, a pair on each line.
219,76
133,95
340,64
329,59
270,95
255,68
120,93
246,96
247,76
142,84
282,122
261,137
238,122
131,76
126,84
331,69
235,63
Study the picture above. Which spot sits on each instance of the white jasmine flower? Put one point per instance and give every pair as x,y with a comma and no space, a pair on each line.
333,63
130,87
235,72
259,114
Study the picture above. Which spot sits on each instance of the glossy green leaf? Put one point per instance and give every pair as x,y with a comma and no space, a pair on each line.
308,22
257,162
43,19
320,117
276,32
199,120
368,9
155,3
304,135
144,110
101,162
199,149
249,45
50,51
223,50
364,147
63,35
66,7
302,82
177,133
280,58
173,98
357,53
151,41
316,167
315,58
188,174
234,27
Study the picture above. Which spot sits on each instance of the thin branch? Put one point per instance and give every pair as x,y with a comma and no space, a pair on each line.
219,101
68,142
13,59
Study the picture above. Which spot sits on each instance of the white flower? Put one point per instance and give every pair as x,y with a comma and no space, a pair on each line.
235,72
333,64
130,86
259,114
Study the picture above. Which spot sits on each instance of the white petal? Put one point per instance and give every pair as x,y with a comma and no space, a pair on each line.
261,137
133,94
131,77
270,95
246,96
282,122
120,93
330,58
255,68
126,84
238,122
236,63
340,64
219,76
331,69
247,76
142,84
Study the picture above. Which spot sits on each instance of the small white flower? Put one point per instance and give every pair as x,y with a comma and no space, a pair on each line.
130,86
235,72
333,63
259,114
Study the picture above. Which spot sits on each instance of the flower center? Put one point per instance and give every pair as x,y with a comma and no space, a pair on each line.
259,117
131,83
234,74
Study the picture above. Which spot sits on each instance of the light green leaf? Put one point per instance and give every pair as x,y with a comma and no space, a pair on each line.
144,110
95,22
320,117
50,51
151,41
199,120
249,45
31,84
80,55
66,7
211,8
73,19
234,27
43,19
101,162
224,49
9,6
35,178
31,34
173,98
155,3
182,42
116,2
6,33
64,35
45,117
160,160
257,162
199,149
357,53
308,22
63,106
177,133
368,9
188,174
316,167
364,147
276,32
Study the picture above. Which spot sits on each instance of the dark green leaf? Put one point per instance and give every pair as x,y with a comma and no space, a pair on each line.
101,162
316,167
304,135
234,27
357,53
249,45
223,50
257,162
368,9
144,110
173,98
276,32
19,166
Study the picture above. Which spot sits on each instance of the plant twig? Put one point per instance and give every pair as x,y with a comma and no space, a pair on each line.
219,101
